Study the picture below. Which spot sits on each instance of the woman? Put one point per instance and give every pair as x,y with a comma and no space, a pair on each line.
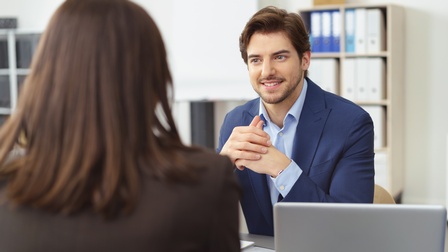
101,166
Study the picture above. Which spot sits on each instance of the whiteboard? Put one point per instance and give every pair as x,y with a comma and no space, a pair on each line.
204,49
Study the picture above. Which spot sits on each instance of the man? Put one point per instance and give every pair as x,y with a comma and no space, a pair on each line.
296,143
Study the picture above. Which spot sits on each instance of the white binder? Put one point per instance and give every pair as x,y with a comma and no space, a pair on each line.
361,80
324,72
376,79
376,39
360,30
348,86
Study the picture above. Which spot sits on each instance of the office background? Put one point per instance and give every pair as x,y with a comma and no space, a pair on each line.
215,70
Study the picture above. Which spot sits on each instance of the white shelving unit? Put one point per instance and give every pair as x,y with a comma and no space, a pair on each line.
389,161
16,50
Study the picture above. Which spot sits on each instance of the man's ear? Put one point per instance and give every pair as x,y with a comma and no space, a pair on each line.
306,60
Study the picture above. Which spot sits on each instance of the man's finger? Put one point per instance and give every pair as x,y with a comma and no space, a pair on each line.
255,121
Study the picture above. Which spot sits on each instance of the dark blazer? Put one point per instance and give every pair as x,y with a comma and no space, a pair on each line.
173,217
333,146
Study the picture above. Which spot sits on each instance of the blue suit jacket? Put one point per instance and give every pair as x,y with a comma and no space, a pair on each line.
333,146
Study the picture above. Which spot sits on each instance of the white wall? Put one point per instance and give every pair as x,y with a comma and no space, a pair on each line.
201,38
32,15
426,104
206,59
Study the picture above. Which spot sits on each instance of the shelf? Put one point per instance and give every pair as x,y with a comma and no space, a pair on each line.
22,71
5,111
16,50
359,55
373,103
320,55
352,73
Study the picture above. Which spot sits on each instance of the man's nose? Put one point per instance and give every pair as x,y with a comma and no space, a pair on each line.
268,69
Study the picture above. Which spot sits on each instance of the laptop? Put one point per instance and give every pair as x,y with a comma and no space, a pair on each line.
337,227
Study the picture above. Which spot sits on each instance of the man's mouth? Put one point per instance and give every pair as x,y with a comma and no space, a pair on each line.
271,82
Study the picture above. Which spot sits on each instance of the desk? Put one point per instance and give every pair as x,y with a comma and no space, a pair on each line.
262,243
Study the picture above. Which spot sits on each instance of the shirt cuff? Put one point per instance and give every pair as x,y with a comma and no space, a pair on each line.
284,181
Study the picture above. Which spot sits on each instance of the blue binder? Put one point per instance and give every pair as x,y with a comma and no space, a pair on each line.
316,32
350,30
335,31
326,31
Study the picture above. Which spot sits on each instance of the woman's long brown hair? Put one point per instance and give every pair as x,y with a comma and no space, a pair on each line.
95,113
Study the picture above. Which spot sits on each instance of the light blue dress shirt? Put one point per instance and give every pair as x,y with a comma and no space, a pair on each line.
283,140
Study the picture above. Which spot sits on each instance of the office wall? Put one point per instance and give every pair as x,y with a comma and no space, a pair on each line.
34,15
426,120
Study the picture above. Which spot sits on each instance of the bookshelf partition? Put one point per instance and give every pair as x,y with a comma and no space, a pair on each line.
370,74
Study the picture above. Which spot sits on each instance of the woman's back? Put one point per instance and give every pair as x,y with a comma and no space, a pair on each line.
193,216
101,146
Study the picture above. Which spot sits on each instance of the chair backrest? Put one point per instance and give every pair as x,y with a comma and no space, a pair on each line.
243,225
382,196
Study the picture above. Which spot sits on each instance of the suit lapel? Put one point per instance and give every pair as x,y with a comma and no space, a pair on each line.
258,181
312,121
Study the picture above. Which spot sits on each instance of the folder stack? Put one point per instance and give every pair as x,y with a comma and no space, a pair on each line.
325,31
364,31
364,79
325,73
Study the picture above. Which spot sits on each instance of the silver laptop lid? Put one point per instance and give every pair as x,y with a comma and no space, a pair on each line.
322,227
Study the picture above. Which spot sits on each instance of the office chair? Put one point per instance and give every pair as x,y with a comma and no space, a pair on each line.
382,196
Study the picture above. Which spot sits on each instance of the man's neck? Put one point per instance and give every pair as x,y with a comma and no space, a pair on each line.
277,112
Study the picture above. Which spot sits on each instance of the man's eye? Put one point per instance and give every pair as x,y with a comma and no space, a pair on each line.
254,61
281,57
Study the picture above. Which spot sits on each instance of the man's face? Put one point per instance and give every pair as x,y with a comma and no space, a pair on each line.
275,69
